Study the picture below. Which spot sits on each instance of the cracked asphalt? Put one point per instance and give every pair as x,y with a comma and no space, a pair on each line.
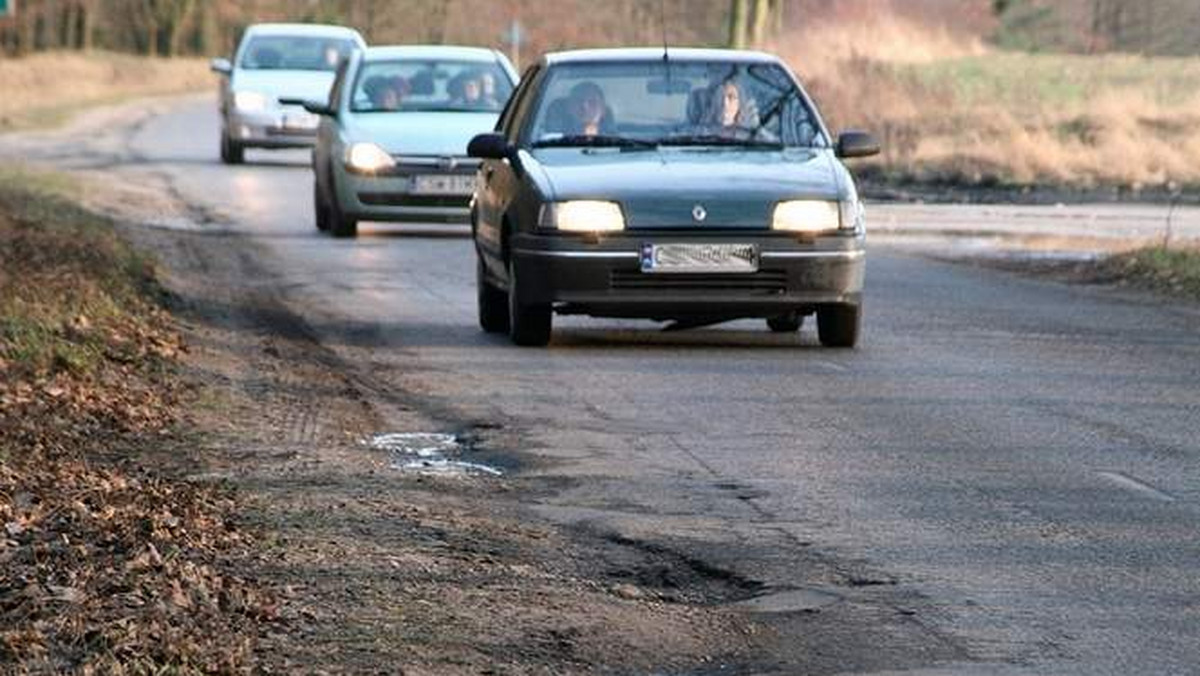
1003,479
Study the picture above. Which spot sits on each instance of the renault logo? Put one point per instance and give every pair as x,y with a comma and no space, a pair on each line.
699,213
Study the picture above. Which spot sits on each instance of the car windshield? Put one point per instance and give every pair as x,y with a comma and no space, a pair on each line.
288,52
430,85
631,104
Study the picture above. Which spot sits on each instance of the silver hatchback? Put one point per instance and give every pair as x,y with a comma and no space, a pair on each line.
275,69
392,142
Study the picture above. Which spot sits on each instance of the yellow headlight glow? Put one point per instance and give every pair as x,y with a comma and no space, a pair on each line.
368,158
806,216
589,216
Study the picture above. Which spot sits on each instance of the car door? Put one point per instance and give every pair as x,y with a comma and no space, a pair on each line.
498,181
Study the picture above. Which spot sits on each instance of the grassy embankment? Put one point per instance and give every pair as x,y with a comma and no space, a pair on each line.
45,89
104,564
953,110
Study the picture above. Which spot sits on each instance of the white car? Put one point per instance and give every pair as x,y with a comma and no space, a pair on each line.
275,69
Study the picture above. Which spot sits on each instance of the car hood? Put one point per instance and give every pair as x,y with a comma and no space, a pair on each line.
310,85
417,133
660,189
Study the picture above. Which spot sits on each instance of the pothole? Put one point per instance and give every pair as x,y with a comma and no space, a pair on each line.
428,453
789,601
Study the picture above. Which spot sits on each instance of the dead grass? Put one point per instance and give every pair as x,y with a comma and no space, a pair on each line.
1174,270
45,88
71,293
950,110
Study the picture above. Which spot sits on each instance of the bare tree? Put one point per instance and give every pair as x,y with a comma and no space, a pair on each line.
737,24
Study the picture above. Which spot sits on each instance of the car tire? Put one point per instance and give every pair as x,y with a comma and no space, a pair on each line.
231,151
341,225
320,208
838,325
492,301
788,323
529,324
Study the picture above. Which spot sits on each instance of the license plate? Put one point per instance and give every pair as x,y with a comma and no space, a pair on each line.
666,258
300,121
435,184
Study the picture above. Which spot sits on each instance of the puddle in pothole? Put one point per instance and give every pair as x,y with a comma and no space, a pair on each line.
789,601
428,453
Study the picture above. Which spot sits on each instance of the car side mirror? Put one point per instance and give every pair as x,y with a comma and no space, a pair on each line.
856,144
319,108
491,146
221,66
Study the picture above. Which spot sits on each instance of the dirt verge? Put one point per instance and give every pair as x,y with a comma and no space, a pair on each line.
105,567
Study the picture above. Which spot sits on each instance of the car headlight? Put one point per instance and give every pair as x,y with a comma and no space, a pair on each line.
249,101
584,216
816,216
368,158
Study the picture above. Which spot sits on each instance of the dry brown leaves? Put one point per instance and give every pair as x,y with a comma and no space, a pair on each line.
105,566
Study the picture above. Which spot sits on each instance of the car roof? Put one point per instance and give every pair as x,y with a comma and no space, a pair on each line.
304,29
383,53
676,54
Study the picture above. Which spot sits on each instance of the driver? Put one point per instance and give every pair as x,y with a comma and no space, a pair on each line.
583,112
384,93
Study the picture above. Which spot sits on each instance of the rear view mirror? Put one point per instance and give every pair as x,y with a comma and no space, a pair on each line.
490,146
665,86
856,144
221,66
319,108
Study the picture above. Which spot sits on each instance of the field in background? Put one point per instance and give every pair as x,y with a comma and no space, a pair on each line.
952,110
45,88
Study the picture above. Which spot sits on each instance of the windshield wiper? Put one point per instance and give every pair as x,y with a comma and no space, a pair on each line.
595,141
718,140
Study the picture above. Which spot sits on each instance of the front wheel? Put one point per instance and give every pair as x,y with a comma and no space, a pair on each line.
320,208
529,324
788,323
231,151
341,225
493,302
838,325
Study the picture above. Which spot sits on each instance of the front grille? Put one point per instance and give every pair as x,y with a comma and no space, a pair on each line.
764,282
403,199
408,165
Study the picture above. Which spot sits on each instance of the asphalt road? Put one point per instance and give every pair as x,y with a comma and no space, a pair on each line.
1010,465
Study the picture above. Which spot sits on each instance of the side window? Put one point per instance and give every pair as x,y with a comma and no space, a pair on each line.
506,122
339,83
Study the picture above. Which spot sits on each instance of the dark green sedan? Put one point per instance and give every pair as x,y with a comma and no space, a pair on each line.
685,186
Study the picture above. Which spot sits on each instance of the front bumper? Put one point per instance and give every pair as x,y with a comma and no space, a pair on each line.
392,196
603,276
287,127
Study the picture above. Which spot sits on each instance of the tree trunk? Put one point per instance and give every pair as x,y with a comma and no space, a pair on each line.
762,12
70,32
181,21
28,32
737,24
87,24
